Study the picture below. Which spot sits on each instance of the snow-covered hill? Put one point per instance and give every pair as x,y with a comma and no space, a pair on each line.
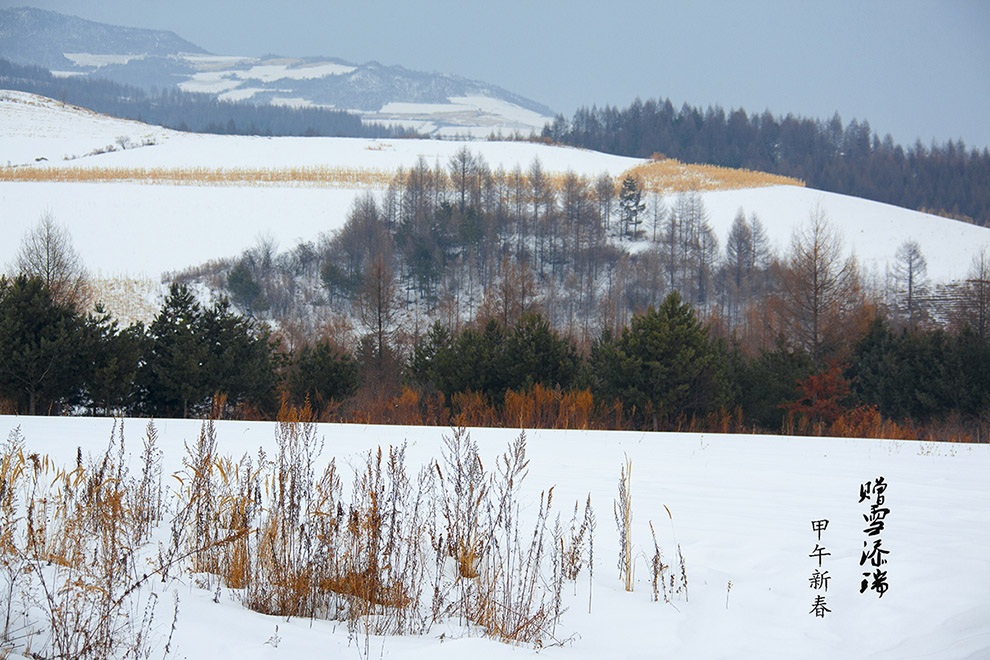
36,130
742,511
429,103
144,229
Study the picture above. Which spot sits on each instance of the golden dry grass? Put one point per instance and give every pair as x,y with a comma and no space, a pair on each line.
402,554
664,176
315,176
668,176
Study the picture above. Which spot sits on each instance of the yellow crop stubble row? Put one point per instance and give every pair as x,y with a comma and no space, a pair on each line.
331,177
663,176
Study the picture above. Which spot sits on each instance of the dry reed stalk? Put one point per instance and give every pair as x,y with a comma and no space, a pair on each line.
678,583
623,520
657,569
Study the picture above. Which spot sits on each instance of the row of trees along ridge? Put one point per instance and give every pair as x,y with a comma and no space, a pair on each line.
537,281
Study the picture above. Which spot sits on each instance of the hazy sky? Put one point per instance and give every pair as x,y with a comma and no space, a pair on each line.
913,69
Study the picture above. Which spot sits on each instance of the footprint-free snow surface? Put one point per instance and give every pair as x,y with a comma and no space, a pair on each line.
743,510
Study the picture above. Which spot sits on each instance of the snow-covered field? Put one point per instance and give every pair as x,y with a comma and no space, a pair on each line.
742,511
143,230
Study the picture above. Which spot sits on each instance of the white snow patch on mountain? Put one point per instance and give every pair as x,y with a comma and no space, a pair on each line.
89,59
475,116
214,81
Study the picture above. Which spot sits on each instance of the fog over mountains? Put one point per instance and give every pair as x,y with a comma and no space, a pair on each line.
431,103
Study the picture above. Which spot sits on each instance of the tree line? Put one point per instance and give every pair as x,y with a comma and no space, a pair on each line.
850,159
666,369
56,360
461,238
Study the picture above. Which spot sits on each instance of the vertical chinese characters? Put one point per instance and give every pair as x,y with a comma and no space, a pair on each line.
819,578
874,554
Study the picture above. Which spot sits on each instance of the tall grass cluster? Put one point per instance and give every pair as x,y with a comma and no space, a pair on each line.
384,549
91,555
77,569
666,579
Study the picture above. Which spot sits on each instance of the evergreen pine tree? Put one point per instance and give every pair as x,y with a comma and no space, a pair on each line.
241,358
244,290
114,354
173,378
41,364
664,363
535,353
321,374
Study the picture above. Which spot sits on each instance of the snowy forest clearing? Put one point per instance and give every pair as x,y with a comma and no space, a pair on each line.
742,510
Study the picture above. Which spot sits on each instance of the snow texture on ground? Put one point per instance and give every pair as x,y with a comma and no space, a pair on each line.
742,510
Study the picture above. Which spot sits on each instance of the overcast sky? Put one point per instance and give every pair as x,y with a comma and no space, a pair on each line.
913,69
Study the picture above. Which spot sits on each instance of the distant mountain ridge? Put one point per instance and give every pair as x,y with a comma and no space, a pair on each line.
431,103
42,37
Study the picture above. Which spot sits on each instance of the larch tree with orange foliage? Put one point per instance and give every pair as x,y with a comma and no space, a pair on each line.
823,396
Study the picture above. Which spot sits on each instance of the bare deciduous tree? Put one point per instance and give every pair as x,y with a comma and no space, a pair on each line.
910,270
818,289
605,196
46,252
513,293
973,305
378,308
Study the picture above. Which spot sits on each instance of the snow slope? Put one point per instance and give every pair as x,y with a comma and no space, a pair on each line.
143,230
741,507
872,231
35,130
32,126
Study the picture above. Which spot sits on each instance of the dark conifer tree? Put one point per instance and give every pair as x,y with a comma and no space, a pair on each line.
42,347
663,362
242,358
114,356
632,206
322,374
173,377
